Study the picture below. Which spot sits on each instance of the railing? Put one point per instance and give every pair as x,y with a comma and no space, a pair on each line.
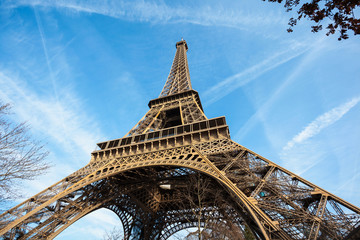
202,131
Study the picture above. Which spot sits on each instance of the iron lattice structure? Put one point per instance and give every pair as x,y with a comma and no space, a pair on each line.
137,176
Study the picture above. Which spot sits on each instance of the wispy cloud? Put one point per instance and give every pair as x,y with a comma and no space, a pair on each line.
62,120
311,52
304,157
160,12
321,122
43,41
248,75
304,150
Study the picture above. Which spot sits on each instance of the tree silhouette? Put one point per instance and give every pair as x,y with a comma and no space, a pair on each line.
21,158
339,12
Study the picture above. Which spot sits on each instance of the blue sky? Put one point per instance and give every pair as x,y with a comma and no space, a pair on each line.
82,72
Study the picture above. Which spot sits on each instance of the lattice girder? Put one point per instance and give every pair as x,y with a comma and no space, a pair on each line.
186,103
271,205
179,76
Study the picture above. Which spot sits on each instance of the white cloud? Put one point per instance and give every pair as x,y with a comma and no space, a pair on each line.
304,157
313,51
304,151
43,41
321,122
63,120
159,12
242,78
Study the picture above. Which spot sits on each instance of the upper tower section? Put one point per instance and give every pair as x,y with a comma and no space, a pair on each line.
179,77
175,118
178,104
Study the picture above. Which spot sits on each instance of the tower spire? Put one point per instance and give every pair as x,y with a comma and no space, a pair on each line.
179,77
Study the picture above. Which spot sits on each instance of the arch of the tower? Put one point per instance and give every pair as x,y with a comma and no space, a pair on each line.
145,183
167,217
147,213
131,208
181,158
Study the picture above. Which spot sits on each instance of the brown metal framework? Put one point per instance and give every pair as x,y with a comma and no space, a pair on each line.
173,141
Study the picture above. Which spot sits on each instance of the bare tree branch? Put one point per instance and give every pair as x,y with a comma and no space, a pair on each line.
208,208
21,158
115,234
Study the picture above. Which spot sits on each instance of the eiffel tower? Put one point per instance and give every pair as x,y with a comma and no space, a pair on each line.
141,177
